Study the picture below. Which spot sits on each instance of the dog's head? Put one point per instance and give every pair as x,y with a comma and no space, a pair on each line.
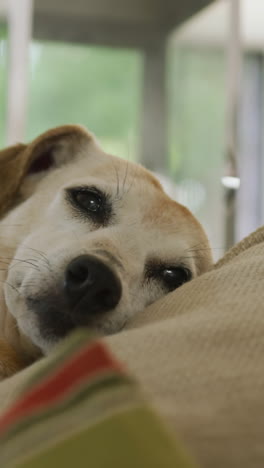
93,240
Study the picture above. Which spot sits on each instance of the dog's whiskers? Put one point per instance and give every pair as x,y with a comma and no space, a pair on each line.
132,181
206,248
125,179
11,286
41,254
25,264
191,257
117,195
28,261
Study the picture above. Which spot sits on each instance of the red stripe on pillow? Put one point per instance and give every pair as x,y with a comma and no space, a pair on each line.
87,363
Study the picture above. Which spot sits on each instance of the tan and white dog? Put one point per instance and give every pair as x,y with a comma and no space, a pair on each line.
91,241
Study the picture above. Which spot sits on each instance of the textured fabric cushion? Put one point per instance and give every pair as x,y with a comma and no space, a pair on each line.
207,345
198,355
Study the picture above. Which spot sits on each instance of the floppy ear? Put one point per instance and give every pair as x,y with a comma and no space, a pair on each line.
52,149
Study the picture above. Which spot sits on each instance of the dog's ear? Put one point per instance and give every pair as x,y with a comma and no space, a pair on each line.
57,147
52,149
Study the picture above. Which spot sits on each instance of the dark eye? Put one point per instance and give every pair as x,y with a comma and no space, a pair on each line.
91,203
173,277
88,200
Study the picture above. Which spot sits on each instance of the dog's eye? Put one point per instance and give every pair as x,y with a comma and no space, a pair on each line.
88,200
91,202
173,277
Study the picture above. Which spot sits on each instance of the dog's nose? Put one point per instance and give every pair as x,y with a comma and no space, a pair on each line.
91,286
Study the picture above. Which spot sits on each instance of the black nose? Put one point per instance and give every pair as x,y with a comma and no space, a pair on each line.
91,286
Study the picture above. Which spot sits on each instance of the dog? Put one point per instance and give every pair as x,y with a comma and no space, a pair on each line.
91,240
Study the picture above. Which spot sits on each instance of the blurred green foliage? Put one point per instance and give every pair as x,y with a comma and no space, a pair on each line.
93,86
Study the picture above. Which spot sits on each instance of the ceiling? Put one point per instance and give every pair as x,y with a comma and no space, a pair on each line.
145,22
113,22
148,11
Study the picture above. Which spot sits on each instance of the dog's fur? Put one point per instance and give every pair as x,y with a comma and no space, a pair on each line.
143,233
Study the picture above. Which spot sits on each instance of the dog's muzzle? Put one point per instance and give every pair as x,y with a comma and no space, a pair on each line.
90,288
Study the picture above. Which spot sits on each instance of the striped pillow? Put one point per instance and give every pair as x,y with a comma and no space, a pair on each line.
82,410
